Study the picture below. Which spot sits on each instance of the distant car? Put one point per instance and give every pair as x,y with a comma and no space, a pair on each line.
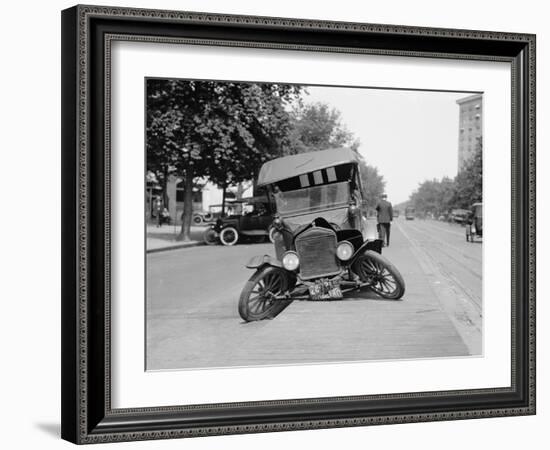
474,223
459,215
395,213
252,222
410,213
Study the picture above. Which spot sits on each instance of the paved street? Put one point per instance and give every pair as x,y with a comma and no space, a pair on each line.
192,318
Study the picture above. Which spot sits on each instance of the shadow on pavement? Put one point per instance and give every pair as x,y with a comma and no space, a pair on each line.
356,296
169,233
366,294
53,429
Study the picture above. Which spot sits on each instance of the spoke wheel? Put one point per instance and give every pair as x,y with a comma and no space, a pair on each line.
382,276
257,298
229,236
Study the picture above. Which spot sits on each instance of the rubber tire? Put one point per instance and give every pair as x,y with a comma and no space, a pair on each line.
197,220
210,237
225,241
399,281
274,309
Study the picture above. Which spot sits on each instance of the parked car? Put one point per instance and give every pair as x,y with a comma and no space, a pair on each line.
232,207
322,244
253,222
474,223
459,215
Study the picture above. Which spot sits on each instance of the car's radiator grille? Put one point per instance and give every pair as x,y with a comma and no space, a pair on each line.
316,249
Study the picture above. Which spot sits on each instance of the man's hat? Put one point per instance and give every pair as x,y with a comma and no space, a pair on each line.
384,196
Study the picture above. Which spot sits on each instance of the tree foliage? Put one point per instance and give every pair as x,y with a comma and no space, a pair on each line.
373,183
222,131
317,126
469,182
441,196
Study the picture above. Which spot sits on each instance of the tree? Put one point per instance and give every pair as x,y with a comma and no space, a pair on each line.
438,196
433,196
469,181
373,183
318,127
223,131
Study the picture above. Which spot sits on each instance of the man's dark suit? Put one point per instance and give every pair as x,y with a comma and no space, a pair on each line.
385,216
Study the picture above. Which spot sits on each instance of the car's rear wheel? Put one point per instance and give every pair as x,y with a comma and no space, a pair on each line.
257,300
229,236
382,276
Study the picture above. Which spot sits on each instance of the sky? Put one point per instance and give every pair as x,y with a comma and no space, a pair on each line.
411,136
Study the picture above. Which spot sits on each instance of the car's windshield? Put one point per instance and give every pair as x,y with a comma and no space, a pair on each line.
311,199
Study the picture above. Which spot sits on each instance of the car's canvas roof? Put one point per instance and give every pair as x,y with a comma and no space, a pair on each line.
295,165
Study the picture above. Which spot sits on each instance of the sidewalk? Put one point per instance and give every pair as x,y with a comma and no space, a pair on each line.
164,238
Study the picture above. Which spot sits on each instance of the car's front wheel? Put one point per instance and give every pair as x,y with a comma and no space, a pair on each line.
229,236
381,275
258,297
210,236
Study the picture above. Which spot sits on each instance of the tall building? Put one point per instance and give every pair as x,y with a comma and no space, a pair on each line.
470,127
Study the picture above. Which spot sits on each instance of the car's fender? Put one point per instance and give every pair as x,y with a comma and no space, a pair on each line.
371,244
262,260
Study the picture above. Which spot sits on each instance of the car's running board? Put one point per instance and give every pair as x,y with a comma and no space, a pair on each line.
254,233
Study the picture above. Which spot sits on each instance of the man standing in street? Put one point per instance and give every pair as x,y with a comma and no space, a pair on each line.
385,216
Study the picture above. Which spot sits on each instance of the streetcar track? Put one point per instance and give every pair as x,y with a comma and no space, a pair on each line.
473,298
441,228
454,249
446,244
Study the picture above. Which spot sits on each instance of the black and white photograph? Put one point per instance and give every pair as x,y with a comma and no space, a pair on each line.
292,224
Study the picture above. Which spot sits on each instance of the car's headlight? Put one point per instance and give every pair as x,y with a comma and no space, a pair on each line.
291,261
344,251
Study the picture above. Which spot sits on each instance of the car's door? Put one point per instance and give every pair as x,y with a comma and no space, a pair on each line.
264,221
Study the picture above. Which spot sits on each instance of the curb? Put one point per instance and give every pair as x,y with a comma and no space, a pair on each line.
175,247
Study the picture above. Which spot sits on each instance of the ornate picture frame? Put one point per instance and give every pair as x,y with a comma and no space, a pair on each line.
88,33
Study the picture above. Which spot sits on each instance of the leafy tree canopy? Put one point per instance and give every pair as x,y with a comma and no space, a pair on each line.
223,131
442,196
317,126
